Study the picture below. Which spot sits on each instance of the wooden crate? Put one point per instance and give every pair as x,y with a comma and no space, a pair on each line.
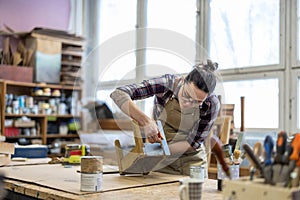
46,59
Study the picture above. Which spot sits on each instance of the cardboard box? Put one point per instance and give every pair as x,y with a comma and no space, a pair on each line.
46,59
31,151
24,124
16,73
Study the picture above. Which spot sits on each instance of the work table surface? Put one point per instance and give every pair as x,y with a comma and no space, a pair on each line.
56,181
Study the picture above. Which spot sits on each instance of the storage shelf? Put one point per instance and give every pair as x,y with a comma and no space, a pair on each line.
23,136
53,135
41,85
43,121
41,115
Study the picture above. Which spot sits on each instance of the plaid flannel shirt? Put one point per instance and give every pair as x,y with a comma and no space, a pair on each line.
163,88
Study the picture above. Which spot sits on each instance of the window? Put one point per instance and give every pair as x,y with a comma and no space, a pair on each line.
117,20
298,31
261,102
256,44
298,104
173,49
244,33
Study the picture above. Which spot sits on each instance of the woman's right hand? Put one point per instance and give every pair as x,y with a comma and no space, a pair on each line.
151,132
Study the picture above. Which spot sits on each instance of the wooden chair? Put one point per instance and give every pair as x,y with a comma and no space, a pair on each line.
221,128
136,161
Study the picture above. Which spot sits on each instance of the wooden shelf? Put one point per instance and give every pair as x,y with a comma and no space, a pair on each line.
41,115
23,136
42,120
40,85
62,136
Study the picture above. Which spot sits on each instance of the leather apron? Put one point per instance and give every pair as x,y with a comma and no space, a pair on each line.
177,124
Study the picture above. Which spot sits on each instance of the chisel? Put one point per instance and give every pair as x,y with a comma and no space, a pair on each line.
278,160
284,178
294,157
255,163
268,145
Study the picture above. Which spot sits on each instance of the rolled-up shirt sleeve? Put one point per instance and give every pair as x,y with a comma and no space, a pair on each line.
147,88
119,97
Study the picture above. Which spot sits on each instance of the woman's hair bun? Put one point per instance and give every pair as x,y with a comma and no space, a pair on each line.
208,65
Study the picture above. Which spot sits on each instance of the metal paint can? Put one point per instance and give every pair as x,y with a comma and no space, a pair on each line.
91,182
197,172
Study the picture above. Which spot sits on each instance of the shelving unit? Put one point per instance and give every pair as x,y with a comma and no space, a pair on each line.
42,120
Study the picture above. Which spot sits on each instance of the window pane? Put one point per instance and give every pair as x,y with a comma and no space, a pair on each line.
179,18
261,102
298,105
122,68
298,18
162,62
116,18
244,33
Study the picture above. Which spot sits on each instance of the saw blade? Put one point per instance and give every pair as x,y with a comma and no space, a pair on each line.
164,143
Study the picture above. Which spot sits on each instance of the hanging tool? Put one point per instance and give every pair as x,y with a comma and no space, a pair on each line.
255,163
237,152
268,145
278,160
294,157
284,178
257,150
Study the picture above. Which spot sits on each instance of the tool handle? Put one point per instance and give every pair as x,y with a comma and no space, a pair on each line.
217,150
268,145
280,147
286,155
252,158
295,144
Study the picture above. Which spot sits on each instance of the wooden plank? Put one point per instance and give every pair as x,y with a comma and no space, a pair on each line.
158,192
30,161
7,148
112,124
64,179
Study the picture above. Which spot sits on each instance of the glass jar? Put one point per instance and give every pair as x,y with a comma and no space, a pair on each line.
63,129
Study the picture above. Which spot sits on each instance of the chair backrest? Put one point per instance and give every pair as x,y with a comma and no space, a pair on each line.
221,129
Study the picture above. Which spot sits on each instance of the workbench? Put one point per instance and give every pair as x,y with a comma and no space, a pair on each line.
55,181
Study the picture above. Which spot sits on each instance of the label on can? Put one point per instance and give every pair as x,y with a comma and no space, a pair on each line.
197,172
91,182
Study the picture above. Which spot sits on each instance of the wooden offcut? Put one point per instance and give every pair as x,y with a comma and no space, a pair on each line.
67,179
6,149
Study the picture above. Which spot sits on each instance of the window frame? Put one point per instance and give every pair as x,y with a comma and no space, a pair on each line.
287,70
256,76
